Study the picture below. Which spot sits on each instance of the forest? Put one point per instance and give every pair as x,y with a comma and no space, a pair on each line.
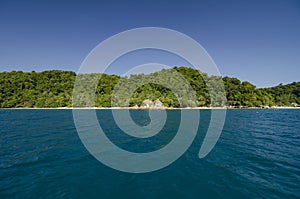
176,87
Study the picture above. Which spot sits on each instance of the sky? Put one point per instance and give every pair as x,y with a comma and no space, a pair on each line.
256,41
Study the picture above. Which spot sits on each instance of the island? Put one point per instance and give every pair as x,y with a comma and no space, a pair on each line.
54,89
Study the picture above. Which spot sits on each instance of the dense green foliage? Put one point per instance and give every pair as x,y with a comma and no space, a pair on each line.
177,87
285,95
45,89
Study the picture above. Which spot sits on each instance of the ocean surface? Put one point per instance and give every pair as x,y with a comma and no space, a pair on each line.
257,156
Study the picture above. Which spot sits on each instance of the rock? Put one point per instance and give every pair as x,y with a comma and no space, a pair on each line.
147,104
158,104
135,107
294,104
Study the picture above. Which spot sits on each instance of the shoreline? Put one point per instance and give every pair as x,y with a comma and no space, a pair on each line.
166,108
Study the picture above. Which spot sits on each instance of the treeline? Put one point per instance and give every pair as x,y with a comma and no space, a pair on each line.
177,87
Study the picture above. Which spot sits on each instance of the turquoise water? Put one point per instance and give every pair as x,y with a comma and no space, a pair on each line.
257,156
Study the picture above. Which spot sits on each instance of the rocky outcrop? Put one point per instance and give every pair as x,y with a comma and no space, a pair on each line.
158,104
148,104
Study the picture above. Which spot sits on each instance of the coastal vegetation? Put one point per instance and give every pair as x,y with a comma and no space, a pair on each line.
50,89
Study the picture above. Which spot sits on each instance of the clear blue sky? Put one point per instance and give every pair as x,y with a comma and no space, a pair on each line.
257,41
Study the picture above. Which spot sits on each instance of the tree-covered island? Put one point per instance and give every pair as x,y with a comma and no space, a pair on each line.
52,89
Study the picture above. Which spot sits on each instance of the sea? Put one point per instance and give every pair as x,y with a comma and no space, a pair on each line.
257,156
